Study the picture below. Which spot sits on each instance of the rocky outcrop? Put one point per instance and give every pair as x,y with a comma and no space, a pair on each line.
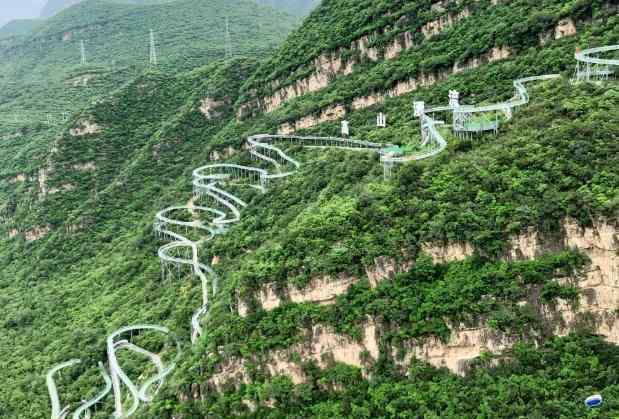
85,127
224,154
82,80
399,89
448,252
210,108
464,345
437,26
11,136
565,27
42,178
322,346
322,290
65,187
330,65
332,113
32,234
19,178
596,307
325,289
88,166
386,268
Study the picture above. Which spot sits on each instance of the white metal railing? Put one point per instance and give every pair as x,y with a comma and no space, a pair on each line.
590,66
115,377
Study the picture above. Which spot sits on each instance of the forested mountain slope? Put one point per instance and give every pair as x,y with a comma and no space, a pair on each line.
188,34
16,28
341,293
296,7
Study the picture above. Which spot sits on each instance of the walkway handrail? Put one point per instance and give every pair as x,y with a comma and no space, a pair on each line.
585,55
116,377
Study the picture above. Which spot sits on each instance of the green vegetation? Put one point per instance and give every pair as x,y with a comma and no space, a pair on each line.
550,381
37,71
96,269
18,28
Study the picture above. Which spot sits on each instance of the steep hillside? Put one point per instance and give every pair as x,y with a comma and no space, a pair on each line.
16,28
295,7
42,79
469,284
54,6
188,33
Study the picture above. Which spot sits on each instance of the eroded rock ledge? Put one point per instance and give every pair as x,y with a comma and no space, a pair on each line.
330,65
401,88
596,308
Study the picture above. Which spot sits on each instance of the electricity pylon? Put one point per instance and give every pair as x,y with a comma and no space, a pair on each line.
228,40
83,51
153,49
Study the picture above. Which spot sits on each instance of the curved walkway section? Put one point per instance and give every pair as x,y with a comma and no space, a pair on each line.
116,379
222,209
462,121
591,67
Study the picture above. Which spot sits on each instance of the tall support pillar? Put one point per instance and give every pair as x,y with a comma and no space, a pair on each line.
387,169
454,98
381,120
345,128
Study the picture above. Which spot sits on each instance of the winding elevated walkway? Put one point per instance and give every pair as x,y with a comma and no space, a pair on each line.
592,67
116,379
221,208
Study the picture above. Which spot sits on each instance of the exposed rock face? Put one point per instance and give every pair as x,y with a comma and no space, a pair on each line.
322,345
324,290
464,345
332,113
386,268
401,88
36,233
19,178
596,308
495,54
89,166
85,127
210,108
442,253
82,80
321,290
565,27
43,174
330,65
226,153
437,26
11,136
65,187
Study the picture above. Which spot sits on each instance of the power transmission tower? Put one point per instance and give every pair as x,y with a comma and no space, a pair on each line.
153,49
228,40
83,51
